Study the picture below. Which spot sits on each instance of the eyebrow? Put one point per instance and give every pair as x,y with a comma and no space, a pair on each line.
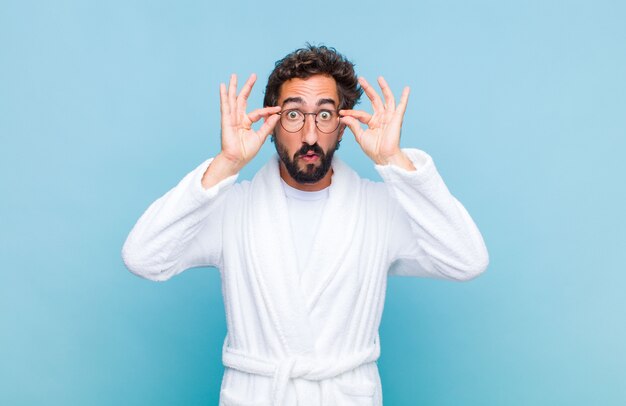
301,101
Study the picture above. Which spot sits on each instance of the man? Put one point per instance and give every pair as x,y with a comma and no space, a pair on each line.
304,249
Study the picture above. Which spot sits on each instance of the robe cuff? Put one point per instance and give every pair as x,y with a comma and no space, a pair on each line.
424,168
202,195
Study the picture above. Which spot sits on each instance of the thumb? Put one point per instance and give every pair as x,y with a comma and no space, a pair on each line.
354,126
268,126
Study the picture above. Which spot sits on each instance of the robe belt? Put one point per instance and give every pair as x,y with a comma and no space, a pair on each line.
282,371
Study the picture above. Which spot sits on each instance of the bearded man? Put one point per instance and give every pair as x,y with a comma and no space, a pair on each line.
304,249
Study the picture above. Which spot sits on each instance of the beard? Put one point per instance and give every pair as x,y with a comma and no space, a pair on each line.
311,173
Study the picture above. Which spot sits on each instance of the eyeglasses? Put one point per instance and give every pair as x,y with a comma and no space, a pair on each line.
293,120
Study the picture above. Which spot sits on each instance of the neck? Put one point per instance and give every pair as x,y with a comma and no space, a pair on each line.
306,187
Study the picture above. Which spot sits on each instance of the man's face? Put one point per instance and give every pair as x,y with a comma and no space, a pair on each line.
306,155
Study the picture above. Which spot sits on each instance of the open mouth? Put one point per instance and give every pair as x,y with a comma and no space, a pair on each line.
309,157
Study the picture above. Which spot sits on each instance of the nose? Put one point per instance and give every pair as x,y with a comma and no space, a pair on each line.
309,131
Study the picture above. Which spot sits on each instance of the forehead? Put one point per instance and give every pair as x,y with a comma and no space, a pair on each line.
310,90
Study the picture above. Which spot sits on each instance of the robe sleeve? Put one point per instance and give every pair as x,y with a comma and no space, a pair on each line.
180,230
431,233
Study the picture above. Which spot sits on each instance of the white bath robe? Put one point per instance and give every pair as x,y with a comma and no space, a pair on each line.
308,336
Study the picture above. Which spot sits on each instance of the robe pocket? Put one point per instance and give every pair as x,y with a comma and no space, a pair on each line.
227,398
356,394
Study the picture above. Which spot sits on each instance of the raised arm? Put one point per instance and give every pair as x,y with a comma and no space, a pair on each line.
182,229
431,234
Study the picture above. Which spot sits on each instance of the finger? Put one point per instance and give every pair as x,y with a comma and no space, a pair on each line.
268,126
242,99
358,114
224,107
377,103
232,93
404,100
257,114
354,126
390,102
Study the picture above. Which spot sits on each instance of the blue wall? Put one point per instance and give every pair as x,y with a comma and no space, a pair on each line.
105,105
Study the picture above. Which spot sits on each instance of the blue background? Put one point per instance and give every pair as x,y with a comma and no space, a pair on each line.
105,105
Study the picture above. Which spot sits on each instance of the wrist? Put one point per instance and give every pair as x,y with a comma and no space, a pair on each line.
229,164
219,169
399,159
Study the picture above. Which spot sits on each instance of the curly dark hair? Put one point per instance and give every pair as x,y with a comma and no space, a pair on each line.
315,60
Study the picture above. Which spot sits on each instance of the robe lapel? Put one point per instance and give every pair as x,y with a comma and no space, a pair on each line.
335,233
272,257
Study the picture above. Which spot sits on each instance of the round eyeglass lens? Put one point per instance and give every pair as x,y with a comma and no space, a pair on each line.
292,120
327,121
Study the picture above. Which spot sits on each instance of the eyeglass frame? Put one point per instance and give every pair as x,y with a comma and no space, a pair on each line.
280,113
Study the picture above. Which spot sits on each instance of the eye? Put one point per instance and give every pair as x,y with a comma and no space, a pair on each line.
294,115
324,115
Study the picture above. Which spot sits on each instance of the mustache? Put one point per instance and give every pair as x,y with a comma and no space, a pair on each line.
307,148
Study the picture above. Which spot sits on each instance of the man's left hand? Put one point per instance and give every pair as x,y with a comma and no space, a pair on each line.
381,140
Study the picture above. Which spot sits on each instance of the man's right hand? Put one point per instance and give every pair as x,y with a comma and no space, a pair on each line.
240,143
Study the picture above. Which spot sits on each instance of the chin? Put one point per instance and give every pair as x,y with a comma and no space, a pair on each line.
308,168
